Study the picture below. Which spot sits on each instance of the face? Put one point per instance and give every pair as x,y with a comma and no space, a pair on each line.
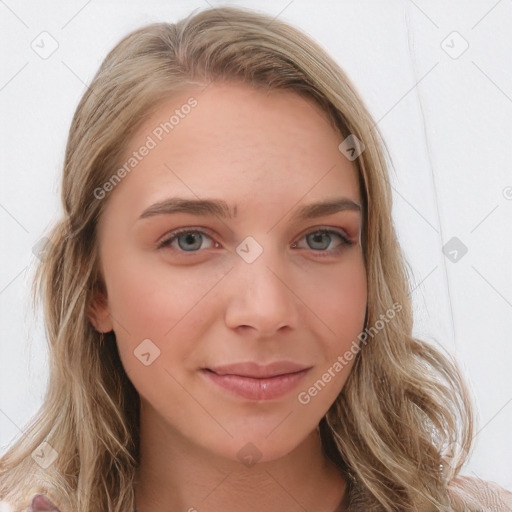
234,319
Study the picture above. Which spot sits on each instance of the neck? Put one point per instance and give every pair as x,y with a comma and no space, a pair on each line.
175,475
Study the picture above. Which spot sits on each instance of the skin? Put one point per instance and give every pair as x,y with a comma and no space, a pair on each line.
268,153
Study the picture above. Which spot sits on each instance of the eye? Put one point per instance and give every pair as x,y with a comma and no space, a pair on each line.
189,240
320,240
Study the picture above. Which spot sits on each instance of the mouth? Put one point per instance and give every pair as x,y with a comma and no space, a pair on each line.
256,382
255,370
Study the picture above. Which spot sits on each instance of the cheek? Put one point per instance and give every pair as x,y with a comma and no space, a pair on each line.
342,308
156,326
148,298
339,296
170,307
351,300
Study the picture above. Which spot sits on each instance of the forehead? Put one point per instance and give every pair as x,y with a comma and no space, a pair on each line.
233,141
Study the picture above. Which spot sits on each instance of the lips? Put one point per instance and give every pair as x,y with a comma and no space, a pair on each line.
255,370
253,381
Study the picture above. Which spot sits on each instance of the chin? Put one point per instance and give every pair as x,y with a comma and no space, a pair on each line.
262,445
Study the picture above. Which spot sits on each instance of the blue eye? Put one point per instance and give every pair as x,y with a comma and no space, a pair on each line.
318,239
191,240
188,240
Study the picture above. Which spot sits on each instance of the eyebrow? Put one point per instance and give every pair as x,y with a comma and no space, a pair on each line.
220,208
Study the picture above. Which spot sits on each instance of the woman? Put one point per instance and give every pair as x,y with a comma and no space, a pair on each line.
226,302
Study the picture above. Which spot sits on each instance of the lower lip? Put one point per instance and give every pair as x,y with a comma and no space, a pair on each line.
257,389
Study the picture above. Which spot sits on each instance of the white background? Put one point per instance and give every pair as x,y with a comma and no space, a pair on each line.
447,122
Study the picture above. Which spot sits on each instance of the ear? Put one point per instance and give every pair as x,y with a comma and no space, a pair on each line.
99,314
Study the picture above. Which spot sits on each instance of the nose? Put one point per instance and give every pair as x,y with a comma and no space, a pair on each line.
261,297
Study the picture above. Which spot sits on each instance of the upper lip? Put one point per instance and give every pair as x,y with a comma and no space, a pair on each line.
259,371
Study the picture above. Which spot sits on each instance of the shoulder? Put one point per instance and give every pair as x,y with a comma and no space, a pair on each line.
475,495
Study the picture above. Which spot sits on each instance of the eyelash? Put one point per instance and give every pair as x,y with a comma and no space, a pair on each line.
345,241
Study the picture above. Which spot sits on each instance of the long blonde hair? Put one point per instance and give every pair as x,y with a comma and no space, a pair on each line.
400,429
